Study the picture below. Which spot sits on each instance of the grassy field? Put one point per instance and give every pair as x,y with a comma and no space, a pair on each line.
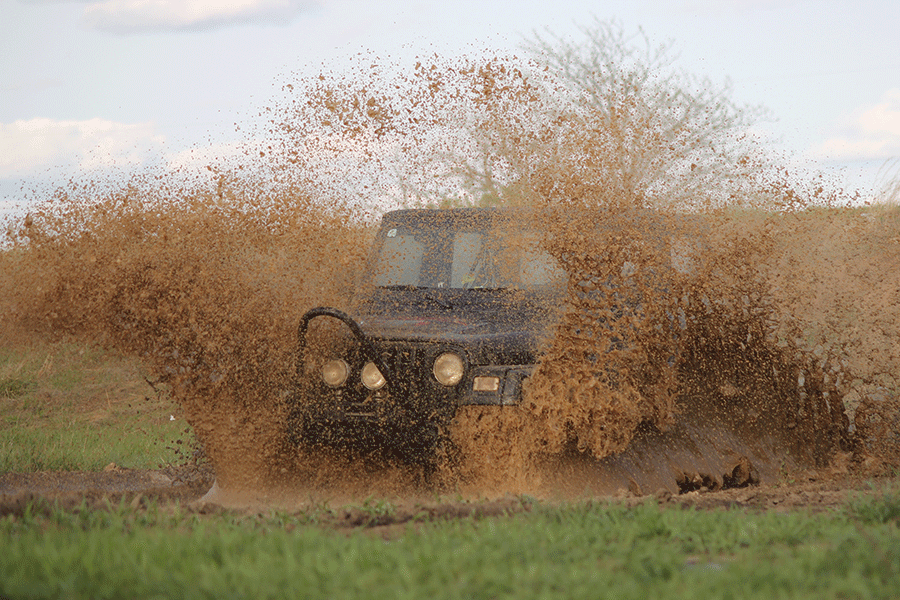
65,406
593,550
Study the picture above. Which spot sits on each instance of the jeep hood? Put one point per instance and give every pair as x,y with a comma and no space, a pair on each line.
484,339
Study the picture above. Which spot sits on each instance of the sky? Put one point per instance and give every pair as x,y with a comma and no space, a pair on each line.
92,85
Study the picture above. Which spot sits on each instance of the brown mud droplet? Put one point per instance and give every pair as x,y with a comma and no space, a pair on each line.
717,314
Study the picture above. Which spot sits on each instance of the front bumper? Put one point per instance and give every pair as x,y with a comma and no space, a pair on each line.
411,408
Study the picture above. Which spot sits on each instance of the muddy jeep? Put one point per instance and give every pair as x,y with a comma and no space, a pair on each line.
451,312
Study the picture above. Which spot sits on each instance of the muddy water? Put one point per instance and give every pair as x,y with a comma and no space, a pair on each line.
715,332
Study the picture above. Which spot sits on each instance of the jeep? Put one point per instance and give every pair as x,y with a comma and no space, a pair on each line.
451,311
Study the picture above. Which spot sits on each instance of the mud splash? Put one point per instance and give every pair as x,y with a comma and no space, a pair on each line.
720,318
654,380
205,286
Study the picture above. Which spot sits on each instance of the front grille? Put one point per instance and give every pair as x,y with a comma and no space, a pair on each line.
407,363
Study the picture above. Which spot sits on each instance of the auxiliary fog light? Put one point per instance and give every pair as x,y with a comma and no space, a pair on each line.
372,377
335,372
486,384
448,368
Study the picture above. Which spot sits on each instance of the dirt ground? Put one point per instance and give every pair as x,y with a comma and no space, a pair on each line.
809,490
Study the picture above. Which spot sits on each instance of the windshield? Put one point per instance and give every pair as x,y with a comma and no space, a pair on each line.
463,258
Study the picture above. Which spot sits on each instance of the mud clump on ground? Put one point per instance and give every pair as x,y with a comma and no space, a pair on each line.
703,291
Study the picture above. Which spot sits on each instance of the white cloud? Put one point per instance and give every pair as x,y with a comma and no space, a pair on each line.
871,133
218,156
30,146
128,16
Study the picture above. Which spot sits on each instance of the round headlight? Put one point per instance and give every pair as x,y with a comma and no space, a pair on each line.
448,368
372,377
335,372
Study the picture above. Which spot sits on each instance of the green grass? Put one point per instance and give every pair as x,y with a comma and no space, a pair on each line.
877,506
578,551
69,407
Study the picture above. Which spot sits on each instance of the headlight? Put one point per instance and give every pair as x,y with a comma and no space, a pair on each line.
335,372
448,368
372,377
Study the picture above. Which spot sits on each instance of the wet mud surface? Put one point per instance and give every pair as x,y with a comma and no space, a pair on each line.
71,488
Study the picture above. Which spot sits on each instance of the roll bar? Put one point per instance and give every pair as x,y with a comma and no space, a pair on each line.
366,346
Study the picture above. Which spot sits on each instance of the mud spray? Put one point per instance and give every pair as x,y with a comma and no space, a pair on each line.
723,320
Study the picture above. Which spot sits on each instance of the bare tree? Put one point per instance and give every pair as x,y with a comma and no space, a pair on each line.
618,117
607,116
